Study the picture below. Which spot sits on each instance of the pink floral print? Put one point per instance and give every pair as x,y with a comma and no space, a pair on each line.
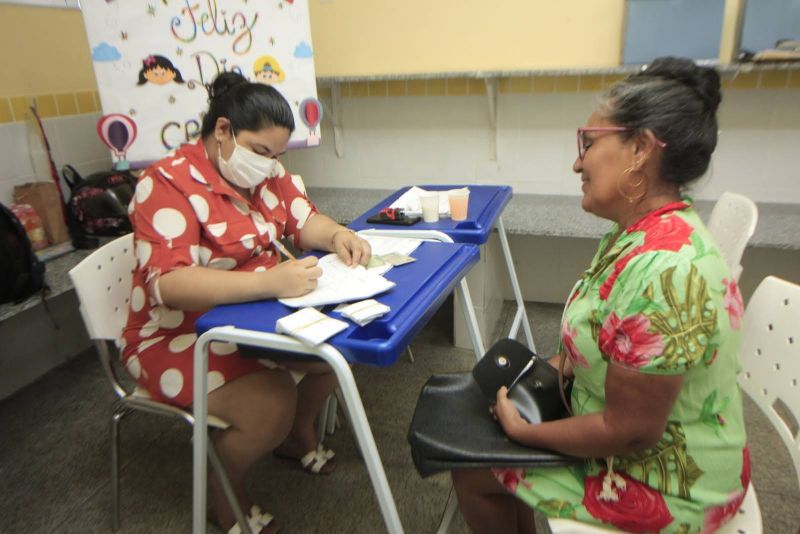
733,302
628,341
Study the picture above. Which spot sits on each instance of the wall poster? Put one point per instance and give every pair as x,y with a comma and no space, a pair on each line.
153,59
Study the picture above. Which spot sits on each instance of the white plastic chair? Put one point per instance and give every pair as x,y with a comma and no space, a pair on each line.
103,283
732,223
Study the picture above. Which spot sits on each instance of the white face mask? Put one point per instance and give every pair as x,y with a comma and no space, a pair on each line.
245,168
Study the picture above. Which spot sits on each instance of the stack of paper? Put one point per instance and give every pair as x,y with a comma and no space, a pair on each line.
410,204
309,326
340,283
364,312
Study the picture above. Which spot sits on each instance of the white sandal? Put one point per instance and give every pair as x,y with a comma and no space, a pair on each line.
256,519
315,460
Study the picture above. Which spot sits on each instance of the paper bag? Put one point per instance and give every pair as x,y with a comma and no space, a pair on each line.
44,198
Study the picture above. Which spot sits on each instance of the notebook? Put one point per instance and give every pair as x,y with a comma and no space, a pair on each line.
340,283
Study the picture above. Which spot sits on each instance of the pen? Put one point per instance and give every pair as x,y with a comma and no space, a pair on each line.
283,249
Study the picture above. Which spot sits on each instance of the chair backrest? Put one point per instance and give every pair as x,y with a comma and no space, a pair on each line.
732,223
103,284
770,355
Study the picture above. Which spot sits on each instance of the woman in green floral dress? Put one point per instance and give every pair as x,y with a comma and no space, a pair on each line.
650,333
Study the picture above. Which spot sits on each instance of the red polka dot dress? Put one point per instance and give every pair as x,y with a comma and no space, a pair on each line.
184,213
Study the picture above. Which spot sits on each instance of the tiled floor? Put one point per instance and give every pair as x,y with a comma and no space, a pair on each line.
54,456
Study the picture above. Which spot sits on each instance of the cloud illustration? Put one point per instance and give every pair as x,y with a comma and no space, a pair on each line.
303,50
105,52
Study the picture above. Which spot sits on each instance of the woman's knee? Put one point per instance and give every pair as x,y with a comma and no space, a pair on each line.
480,481
258,403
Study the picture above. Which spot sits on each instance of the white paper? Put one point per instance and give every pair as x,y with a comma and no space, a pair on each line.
340,283
364,312
409,201
309,326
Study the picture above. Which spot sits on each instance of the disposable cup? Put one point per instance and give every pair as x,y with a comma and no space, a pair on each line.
459,204
429,201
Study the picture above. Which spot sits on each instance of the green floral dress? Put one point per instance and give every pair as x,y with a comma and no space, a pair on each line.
659,300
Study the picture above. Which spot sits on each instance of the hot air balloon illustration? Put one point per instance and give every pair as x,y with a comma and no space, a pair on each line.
311,114
118,132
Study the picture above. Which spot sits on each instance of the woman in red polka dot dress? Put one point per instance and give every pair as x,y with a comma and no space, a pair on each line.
205,221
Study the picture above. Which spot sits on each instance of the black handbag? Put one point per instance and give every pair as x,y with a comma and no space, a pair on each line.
452,427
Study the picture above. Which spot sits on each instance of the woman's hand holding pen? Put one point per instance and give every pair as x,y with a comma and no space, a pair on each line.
296,277
350,248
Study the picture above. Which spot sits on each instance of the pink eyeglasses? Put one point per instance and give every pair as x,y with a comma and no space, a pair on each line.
615,129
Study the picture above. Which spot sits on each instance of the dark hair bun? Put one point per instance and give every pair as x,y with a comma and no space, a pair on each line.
702,80
224,83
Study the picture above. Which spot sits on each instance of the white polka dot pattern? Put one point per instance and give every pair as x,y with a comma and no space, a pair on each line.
260,269
215,380
137,298
279,170
222,264
200,207
169,318
241,207
248,241
167,217
134,368
297,180
171,382
143,189
143,251
269,198
222,348
205,256
194,252
182,342
258,220
149,328
144,345
217,229
169,222
196,175
272,231
300,211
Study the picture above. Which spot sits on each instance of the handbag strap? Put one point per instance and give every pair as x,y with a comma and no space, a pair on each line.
561,383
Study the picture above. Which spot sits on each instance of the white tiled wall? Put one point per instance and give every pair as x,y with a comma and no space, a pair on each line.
73,140
391,141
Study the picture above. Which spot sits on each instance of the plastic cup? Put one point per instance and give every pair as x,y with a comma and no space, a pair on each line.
429,201
459,204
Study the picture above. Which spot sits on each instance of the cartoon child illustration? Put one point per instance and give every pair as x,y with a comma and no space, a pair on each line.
268,71
158,70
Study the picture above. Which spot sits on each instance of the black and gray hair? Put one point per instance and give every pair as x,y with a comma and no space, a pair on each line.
677,100
249,106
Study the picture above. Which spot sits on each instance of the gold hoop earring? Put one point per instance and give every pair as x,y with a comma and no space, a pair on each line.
631,199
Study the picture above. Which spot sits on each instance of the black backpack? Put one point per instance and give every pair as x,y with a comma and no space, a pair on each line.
98,204
21,272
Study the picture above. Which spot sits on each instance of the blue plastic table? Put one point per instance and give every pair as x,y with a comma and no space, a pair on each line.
486,204
422,287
